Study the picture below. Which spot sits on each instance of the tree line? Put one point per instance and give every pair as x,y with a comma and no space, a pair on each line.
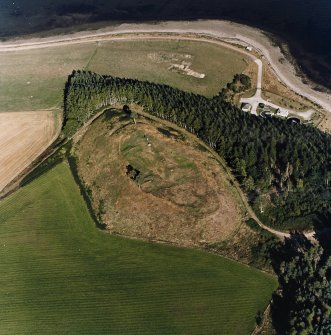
284,168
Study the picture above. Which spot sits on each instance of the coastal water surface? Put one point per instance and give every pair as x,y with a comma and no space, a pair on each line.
304,24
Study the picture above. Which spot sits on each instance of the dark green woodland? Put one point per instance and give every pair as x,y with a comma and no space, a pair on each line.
284,168
303,303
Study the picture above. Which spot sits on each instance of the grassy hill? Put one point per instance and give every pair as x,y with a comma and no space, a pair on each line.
152,181
60,275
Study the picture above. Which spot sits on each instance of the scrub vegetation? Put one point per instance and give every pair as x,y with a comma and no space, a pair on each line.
284,168
151,181
144,172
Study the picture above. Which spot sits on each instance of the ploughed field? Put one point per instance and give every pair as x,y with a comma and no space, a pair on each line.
23,137
150,181
61,275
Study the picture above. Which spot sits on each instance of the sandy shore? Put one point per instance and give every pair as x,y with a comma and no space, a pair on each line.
225,30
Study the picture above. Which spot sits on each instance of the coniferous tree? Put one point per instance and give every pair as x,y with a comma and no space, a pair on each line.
289,164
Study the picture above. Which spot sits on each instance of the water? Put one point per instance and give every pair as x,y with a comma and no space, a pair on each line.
304,24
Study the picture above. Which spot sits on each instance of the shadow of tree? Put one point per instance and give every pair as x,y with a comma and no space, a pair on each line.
323,235
282,303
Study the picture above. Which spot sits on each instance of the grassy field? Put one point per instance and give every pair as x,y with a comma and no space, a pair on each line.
175,190
60,275
39,75
35,79
150,60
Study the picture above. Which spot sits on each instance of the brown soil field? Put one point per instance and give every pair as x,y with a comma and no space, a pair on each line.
150,182
23,137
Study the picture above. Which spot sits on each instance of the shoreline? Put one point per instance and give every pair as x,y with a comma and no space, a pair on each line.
226,31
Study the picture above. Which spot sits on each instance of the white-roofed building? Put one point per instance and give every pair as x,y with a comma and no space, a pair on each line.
282,113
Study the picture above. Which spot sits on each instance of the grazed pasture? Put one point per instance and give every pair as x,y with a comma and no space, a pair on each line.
150,60
34,79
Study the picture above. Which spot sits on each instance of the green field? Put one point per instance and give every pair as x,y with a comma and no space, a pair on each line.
60,275
39,75
35,79
150,60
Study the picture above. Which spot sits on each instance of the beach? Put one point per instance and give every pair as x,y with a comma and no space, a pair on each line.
223,30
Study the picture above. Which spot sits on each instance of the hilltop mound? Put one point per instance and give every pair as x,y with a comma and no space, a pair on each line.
149,181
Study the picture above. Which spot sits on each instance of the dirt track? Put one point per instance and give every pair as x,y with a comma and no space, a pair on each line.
40,135
223,30
250,212
181,195
23,137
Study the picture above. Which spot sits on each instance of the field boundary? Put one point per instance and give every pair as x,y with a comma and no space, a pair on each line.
63,268
83,191
231,179
12,185
81,131
201,37
249,211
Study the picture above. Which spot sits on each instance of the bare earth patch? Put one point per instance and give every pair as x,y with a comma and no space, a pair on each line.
176,62
325,125
150,182
184,68
23,137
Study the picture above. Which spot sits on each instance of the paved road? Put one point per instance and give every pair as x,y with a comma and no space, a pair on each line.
113,35
257,98
240,34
